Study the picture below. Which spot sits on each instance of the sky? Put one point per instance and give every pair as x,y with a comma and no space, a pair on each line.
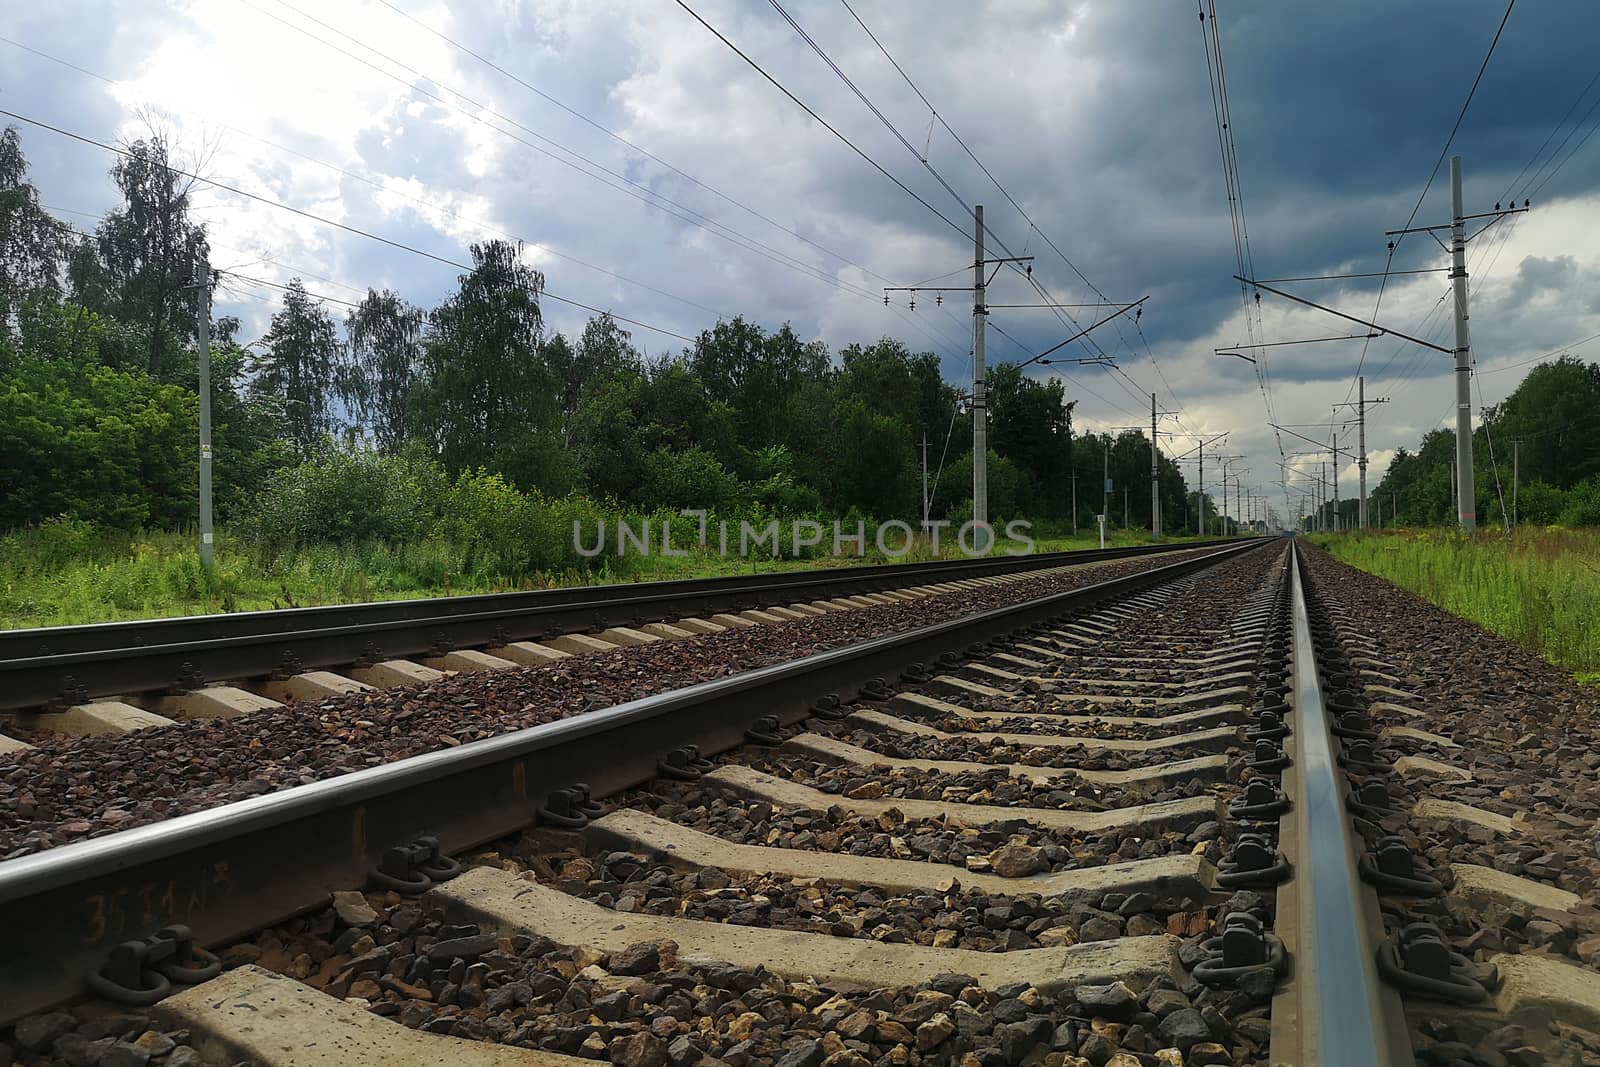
652,171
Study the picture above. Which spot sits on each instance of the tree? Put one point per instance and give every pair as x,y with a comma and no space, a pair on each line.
485,396
142,264
107,446
32,244
604,352
1031,424
757,375
1552,413
386,353
301,372
876,468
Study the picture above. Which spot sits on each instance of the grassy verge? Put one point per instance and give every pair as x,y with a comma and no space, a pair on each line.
1539,586
59,576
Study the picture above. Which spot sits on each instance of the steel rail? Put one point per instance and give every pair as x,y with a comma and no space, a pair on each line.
235,868
1335,1011
70,664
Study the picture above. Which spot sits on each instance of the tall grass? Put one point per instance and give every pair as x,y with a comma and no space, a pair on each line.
1539,586
65,573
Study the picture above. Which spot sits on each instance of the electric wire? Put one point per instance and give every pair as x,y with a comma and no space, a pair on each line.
637,190
357,231
627,143
1448,141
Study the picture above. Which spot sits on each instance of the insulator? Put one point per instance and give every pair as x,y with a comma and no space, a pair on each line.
913,305
885,299
938,300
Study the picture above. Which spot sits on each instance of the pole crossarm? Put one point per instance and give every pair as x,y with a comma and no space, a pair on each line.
1463,218
1101,322
1332,311
1229,350
1312,440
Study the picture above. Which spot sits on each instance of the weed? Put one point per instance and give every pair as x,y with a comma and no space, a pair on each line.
1539,586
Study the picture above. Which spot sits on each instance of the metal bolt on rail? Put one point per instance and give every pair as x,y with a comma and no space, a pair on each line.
570,808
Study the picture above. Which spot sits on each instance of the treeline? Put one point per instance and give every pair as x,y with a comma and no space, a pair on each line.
317,419
1536,458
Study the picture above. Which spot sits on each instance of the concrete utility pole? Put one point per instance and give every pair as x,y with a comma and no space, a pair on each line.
1200,500
1466,496
980,401
207,533
1105,495
1074,500
1222,513
1515,446
924,481
1155,473
1361,405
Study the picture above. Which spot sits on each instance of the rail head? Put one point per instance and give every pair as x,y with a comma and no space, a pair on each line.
1336,1011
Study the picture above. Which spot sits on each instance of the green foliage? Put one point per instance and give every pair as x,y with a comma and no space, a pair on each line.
1582,504
483,384
342,496
142,264
467,439
301,371
1537,586
1547,420
32,244
386,347
93,443
691,478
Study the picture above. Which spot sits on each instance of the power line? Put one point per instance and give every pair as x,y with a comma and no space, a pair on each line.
968,150
402,246
637,190
1551,136
1227,149
1448,141
759,69
1056,306
629,144
853,147
381,188
779,258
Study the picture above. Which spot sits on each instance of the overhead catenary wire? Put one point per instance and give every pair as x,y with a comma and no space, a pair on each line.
1432,174
759,69
1056,306
940,119
1227,149
840,136
632,146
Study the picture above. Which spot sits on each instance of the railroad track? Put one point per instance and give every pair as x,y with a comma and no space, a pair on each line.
1122,824
115,677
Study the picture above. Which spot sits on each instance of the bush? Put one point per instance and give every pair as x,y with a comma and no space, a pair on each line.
1582,506
350,496
692,478
1539,503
